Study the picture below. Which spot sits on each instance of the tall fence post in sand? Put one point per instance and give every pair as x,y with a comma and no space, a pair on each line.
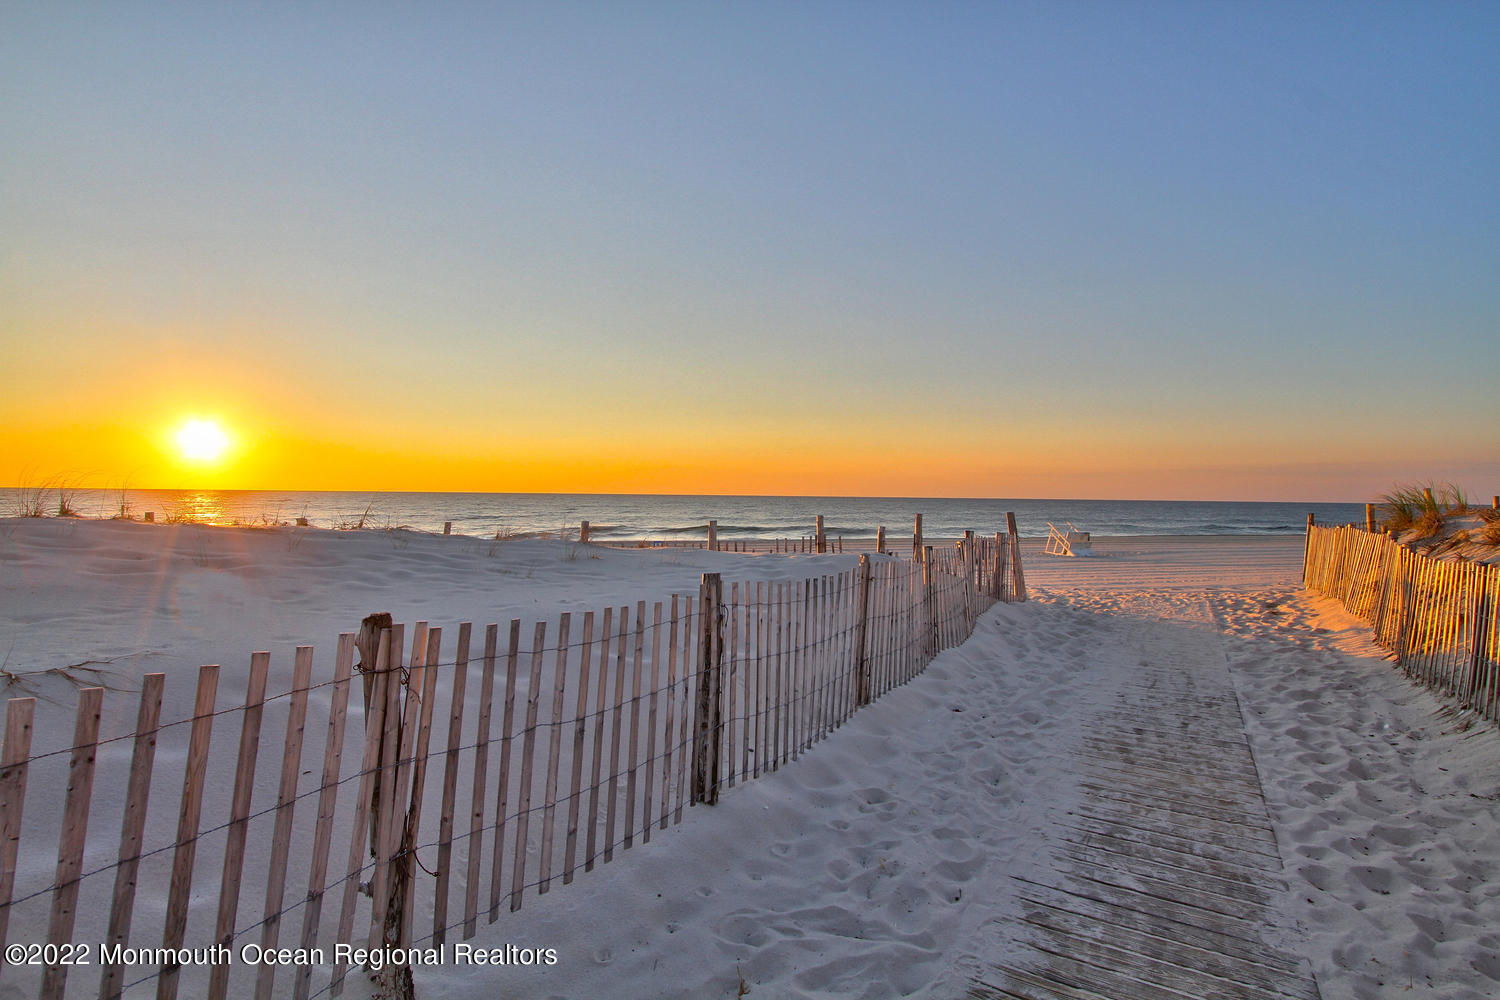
713,536
1018,576
1495,503
880,539
1307,545
707,718
447,527
1370,518
861,633
916,539
583,533
819,536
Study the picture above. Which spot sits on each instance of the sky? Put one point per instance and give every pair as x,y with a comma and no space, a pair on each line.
1125,249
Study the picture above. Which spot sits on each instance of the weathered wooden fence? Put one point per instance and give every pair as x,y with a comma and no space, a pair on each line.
429,805
1438,617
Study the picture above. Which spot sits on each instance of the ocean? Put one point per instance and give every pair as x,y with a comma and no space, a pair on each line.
620,517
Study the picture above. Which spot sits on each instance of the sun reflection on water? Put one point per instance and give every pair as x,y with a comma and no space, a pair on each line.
200,508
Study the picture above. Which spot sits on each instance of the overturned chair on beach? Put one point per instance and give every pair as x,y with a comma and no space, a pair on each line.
1067,543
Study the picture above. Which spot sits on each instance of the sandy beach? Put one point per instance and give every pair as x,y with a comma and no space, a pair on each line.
887,860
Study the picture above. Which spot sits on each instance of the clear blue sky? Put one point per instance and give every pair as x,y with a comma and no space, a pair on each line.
1221,250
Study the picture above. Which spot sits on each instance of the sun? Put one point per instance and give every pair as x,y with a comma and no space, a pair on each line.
202,441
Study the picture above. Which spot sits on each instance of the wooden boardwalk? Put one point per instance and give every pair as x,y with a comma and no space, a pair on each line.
1164,879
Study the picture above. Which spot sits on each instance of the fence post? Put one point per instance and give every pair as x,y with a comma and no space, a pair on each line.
1370,518
713,536
583,533
1306,545
861,634
916,539
1018,576
447,527
880,540
709,713
820,539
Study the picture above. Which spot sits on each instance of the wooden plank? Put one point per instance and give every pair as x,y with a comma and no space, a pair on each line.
821,662
798,665
758,751
74,832
411,816
502,797
450,785
20,715
633,767
861,635
481,768
1184,925
783,716
132,830
580,728
730,681
601,722
667,744
333,755
239,817
689,633
374,726
650,762
554,751
286,802
746,669
615,732
528,758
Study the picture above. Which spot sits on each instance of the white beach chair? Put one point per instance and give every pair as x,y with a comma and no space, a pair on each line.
1067,543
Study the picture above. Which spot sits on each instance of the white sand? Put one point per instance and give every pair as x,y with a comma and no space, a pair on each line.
876,865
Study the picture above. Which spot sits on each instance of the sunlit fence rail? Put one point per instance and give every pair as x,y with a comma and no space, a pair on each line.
433,778
1438,617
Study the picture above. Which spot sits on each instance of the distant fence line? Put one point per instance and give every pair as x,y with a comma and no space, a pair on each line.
1438,617
637,714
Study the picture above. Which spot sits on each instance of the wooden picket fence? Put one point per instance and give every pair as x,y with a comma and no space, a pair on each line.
609,724
1437,617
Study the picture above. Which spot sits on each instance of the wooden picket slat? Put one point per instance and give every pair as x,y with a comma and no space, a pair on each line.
580,730
286,800
132,830
655,685
20,715
333,753
635,725
616,723
601,703
502,796
385,677
74,832
450,785
528,758
554,752
666,763
481,768
239,818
